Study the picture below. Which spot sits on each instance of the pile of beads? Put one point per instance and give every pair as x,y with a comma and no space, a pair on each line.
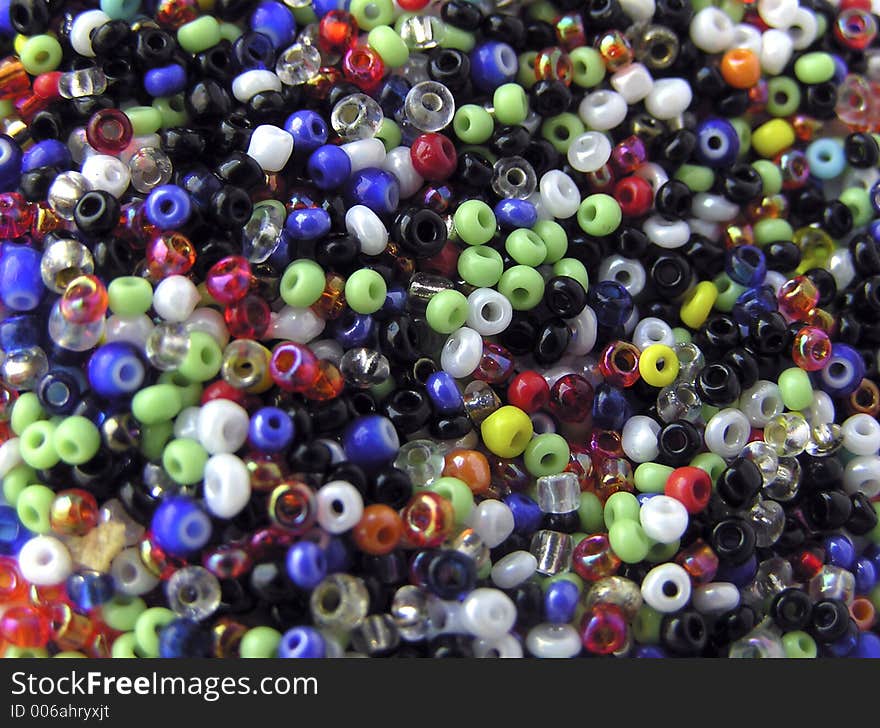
460,328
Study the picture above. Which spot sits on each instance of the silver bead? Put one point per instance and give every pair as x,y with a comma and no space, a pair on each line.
553,551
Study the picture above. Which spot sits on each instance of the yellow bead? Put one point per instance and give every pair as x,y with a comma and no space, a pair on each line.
772,137
658,365
18,43
507,431
696,307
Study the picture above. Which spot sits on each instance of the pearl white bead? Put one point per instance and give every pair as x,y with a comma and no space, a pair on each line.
271,147
639,10
366,226
652,330
399,162
340,506
175,298
296,324
223,426
81,30
227,485
132,329
639,439
107,173
776,50
778,13
862,475
513,569
634,82
250,83
559,194
584,331
364,153
663,519
603,110
727,432
841,267
488,613
589,151
653,174
462,352
711,30
45,561
489,312
747,36
714,208
861,434
803,29
493,522
627,272
557,641
666,233
209,321
186,424
666,588
716,597
821,410
10,456
130,574
505,647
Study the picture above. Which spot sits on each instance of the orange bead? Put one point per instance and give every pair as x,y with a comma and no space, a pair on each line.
470,466
379,530
741,68
863,613
13,587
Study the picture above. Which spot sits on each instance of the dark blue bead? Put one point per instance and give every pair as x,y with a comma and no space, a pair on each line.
643,498
395,301
444,392
560,601
184,638
201,185
21,285
21,332
752,303
874,196
451,574
392,95
375,188
116,370
527,515
276,21
845,369
271,429
10,163
179,526
306,564
168,207
328,167
165,80
307,223
337,555
11,530
845,645
309,131
739,575
90,589
717,143
874,230
839,551
370,441
868,646
840,69
866,575
353,329
492,65
611,302
302,643
322,7
746,265
47,153
649,651
61,389
512,213
254,50
610,408
282,256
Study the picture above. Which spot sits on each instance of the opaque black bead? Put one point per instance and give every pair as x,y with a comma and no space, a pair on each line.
677,147
217,62
408,410
529,600
782,256
182,144
829,620
46,124
791,609
865,252
825,284
270,583
603,14
739,483
154,47
863,518
35,184
241,170
717,385
826,510
391,487
743,365
448,646
705,255
674,13
231,10
401,339
719,333
740,183
553,339
734,625
207,101
733,540
474,171
29,17
505,27
462,14
707,81
540,34
232,134
450,67
861,150
821,473
768,333
338,252
670,275
678,442
820,100
630,242
509,141
562,522
330,416
807,204
311,457
542,156
420,231
114,37
684,633
837,219
550,97
673,200
451,574
96,213
231,207
564,296
520,337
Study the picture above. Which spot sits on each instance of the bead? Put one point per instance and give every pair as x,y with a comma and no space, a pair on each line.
666,588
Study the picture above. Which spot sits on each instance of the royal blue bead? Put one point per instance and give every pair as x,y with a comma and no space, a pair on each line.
21,332
643,498
392,95
375,188
271,429
493,64
116,370
875,196
845,645
610,408
353,329
328,166
560,601
717,143
184,638
611,302
282,256
868,646
201,185
90,589
866,575
254,50
60,390
840,69
6,27
10,163
649,651
307,223
21,285
844,371
47,153
309,131
168,207
302,643
370,441
746,265
874,230
395,301
752,303
11,530
276,21
179,526
839,551
527,515
165,80
444,392
512,213
337,555
741,574
306,564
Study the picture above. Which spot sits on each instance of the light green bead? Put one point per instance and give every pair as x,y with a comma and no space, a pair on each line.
708,411
480,266
365,291
783,96
33,506
588,67
460,40
184,459
599,215
154,438
771,230
475,222
799,645
156,403
26,410
204,358
130,295
67,654
697,177
389,134
628,540
458,493
771,176
511,104
260,642
711,463
383,390
122,611
172,110
231,32
681,335
76,440
621,506
200,34
303,283
15,481
389,45
37,447
303,15
546,454
874,596
7,108
572,268
744,132
858,200
25,653
41,54
121,9
646,626
813,68
522,286
144,119
651,477
146,630
543,10
874,535
728,292
473,124
562,129
525,75
190,392
590,512
526,247
372,13
447,311
555,239
662,552
124,647
795,388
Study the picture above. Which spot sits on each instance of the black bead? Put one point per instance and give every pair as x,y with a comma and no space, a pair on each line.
604,14
562,522
391,487
550,97
719,333
673,200
114,37
630,242
865,252
338,253
791,609
420,231
837,219
232,134
542,156
474,171
793,537
740,482
329,416
540,34
183,144
821,473
744,366
588,250
706,255
29,17
707,81
231,10
311,457
863,518
240,169
509,141
825,284
820,100
529,600
826,510
677,147
768,333
674,13
270,583
717,385
217,62
154,47
564,296
866,300
462,14
207,101
408,410
684,633
733,625
733,540
519,338
450,67
829,620
96,213
506,28
733,103
861,150
740,183
782,256
401,339
450,646
553,339
451,574
231,207
670,275
46,124
35,184
679,442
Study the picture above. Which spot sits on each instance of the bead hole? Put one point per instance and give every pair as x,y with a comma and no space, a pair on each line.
670,589
432,102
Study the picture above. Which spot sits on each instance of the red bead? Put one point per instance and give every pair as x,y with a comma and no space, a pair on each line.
171,14
68,629
156,559
433,156
24,625
571,398
581,464
692,486
74,512
593,559
85,300
807,563
328,384
619,363
13,587
604,629
428,519
699,561
221,389
634,195
46,85
169,254
16,215
293,507
229,279
248,318
363,67
496,364
529,391
602,180
337,31
554,64
855,28
109,131
293,367
445,263
412,6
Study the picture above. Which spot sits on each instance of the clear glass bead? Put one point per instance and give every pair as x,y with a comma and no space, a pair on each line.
63,261
376,634
363,367
356,116
23,368
193,592
773,575
825,439
469,543
690,361
64,193
514,177
763,641
167,345
768,521
339,602
84,82
784,487
679,401
78,144
429,106
833,582
560,493
409,608
415,70
422,460
262,233
422,32
298,64
764,457
150,167
553,551
245,363
74,337
788,434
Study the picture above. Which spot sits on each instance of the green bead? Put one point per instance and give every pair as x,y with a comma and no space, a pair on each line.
26,653
572,268
37,447
555,239
475,222
771,176
154,438
26,410
651,477
526,247
15,481
799,645
646,625
144,119
681,335
156,403
744,132
389,134
260,642
172,110
447,311
874,534
480,266
389,45
190,392
121,9
590,512
67,654
185,460
204,358
697,177
543,10
458,493
783,96
372,13
41,54
122,611
795,388
588,67
303,283
561,129
599,215
522,286
621,506
473,124
33,506
771,230
460,40
383,390
146,630
365,291
76,440
728,292
303,15
231,32
711,463
874,596
547,454
662,552
125,647
628,540
200,34
511,104
525,75
130,295
858,200
813,68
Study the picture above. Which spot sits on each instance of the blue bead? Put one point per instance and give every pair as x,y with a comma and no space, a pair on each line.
717,143
271,429
21,332
10,163
839,551
322,7
611,302
116,370
874,230
307,223
752,303
845,645
527,514
840,69
444,393
90,589
843,373
643,498
337,555
201,185
512,213
6,27
168,207
370,441
21,285
179,526
47,153
610,408
328,166
875,196
866,575
306,564
184,638
60,390
309,131
353,329
826,159
741,574
746,265
302,643
392,95
282,256
395,301
11,530
276,21
493,64
649,651
868,646
254,50
165,80
377,189
560,601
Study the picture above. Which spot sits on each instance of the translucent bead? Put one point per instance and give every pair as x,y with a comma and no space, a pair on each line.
788,434
760,642
554,64
553,550
64,193
364,368
690,361
356,116
298,64
422,460
422,32
89,81
75,337
167,345
409,609
768,520
63,261
149,167
833,582
772,576
339,602
429,106
193,592
764,457
826,438
679,401
262,233
559,493
513,177
479,401
617,590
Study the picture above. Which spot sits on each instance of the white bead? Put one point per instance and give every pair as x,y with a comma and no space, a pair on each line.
651,330
489,312
776,50
186,424
133,329
81,30
840,265
250,83
803,29
639,439
727,432
747,36
45,561
223,426
638,10
10,456
399,162
821,410
862,475
209,321
714,208
666,588
584,331
540,208
666,233
488,613
107,173
366,226
553,641
603,110
329,349
861,434
589,151
175,298
513,569
627,272
630,324
634,82
364,153
130,574
716,597
271,147
761,402
462,352
711,30
705,228
505,647
775,280
295,323
492,520
653,174
778,13
444,617
227,485
663,519
559,194
340,506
